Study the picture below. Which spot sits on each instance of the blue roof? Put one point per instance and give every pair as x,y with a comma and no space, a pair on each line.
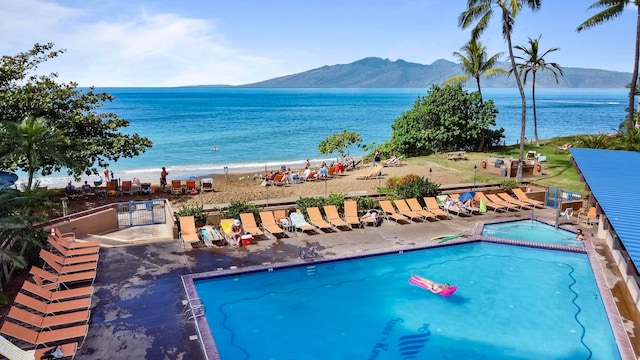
614,180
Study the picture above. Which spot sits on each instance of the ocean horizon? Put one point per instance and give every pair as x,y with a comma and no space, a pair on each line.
254,128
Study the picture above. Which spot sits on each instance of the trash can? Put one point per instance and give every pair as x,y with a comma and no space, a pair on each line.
503,171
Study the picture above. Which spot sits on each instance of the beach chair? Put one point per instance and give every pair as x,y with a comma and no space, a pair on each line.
374,173
249,224
62,250
415,206
490,204
75,260
333,217
52,281
13,352
351,214
510,199
112,188
278,180
206,184
498,200
52,261
191,187
188,233
69,240
211,236
269,224
522,196
589,216
312,176
315,218
404,209
50,321
431,205
300,224
283,220
52,308
176,187
55,296
390,212
225,226
127,187
45,337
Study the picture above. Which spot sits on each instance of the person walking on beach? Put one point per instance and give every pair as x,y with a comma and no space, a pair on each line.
106,175
376,158
163,178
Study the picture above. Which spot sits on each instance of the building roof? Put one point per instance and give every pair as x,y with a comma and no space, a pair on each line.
614,180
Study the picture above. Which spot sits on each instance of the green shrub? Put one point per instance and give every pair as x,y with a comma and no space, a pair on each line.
365,203
305,202
509,184
413,186
236,208
337,200
196,211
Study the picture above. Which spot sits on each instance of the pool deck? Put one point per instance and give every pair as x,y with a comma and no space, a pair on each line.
137,304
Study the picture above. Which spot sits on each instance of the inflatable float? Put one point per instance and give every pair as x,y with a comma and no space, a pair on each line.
444,238
422,282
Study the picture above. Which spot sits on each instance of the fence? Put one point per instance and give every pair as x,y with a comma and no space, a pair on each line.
136,213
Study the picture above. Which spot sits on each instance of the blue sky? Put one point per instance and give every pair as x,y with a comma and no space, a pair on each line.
173,43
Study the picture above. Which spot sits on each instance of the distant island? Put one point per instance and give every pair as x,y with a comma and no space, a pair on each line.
375,72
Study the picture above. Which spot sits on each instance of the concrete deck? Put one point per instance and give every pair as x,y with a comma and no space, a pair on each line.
137,306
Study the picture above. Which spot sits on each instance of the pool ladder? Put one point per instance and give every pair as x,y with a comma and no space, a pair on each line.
310,271
193,308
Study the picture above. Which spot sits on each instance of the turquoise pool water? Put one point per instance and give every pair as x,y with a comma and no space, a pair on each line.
531,231
512,303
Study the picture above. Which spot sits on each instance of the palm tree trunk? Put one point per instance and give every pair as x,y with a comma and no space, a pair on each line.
523,124
479,91
535,115
634,80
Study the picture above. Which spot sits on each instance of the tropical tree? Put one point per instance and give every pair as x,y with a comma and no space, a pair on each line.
65,108
531,62
610,10
30,145
473,57
482,11
339,142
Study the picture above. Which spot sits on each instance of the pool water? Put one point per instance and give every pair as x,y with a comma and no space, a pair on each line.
512,303
531,231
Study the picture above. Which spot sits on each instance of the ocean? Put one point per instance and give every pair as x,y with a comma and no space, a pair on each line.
252,128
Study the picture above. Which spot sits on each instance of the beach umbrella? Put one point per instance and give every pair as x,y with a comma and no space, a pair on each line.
7,179
466,196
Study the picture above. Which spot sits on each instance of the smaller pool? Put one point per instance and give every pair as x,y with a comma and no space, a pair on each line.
532,231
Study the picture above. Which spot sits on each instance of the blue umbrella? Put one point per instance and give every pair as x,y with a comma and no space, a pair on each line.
466,196
7,179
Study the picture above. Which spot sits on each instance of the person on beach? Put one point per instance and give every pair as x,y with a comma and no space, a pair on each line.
376,158
307,164
163,177
106,175
86,187
580,235
237,231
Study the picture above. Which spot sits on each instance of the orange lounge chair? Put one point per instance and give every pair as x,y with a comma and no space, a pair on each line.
278,180
53,308
390,212
315,218
64,261
283,220
415,206
69,241
490,204
249,224
333,217
522,196
269,223
50,321
43,337
313,176
588,216
498,200
188,233
405,209
127,187
71,252
52,261
351,214
510,199
176,187
54,296
431,205
50,280
375,173
191,187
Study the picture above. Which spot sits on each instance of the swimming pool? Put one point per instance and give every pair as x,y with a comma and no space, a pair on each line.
531,231
512,303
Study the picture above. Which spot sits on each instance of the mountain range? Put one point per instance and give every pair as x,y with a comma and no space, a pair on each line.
373,72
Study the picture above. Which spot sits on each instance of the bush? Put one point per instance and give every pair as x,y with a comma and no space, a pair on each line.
337,200
509,184
305,202
196,211
236,208
365,203
413,186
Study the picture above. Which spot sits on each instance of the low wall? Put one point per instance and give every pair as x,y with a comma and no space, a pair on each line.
96,221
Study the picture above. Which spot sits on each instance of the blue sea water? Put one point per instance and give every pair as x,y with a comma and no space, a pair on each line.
254,128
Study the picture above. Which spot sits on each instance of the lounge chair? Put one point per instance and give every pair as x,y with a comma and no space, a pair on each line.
393,161
206,184
74,260
176,187
225,226
452,205
188,233
414,205
52,308
405,209
13,352
315,218
522,196
375,172
211,236
299,222
52,281
351,214
191,187
69,240
249,225
565,147
269,224
36,338
390,212
112,188
589,216
62,250
127,187
52,261
278,180
283,220
498,200
49,321
510,199
312,176
431,205
490,204
60,295
333,217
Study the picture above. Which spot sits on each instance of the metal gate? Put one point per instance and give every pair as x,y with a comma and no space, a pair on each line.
556,195
136,213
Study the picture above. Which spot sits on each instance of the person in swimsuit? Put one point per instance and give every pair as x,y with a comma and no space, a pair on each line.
434,287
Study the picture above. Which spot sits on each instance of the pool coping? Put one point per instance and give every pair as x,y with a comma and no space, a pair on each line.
617,327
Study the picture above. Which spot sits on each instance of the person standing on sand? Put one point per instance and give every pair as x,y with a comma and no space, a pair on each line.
163,177
376,158
106,175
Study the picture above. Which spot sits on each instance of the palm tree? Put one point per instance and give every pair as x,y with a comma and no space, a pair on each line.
612,9
482,11
531,63
475,63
